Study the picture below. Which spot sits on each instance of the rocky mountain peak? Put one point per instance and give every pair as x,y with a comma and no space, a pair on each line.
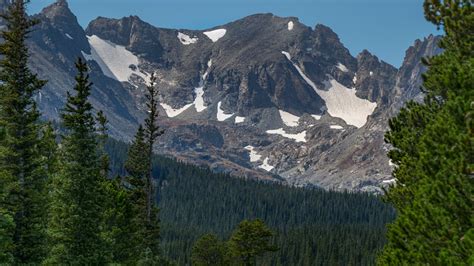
59,10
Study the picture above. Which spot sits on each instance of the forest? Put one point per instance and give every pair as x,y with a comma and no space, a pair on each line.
312,226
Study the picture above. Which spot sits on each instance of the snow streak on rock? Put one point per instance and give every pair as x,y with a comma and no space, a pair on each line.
186,39
289,119
171,112
300,137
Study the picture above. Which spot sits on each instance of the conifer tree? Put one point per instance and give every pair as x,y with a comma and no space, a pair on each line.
250,240
209,250
23,177
78,201
433,148
152,132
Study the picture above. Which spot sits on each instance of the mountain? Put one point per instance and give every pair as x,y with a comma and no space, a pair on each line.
261,97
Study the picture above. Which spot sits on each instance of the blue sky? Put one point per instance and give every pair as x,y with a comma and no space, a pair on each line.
384,27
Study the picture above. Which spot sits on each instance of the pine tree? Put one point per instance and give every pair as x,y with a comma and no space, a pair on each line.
250,240
433,148
23,177
152,132
78,200
209,250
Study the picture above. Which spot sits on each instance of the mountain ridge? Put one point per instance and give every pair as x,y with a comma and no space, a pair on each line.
261,97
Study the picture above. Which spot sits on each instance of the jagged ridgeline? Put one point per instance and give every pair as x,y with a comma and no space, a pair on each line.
313,227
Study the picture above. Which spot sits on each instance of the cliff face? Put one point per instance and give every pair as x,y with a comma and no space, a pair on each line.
261,97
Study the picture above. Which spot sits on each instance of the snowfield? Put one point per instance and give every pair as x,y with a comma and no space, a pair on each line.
186,39
254,156
114,60
300,137
171,112
340,101
289,119
215,35
221,116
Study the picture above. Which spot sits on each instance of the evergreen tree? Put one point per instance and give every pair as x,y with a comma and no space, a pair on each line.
249,241
152,132
209,250
433,148
103,136
78,200
23,179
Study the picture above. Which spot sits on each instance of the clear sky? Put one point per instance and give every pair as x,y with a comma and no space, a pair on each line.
384,27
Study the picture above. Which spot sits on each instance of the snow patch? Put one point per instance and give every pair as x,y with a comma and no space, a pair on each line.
371,73
390,181
215,35
69,36
289,119
336,127
171,112
114,60
341,102
342,67
254,156
239,119
266,166
199,100
300,137
317,117
354,80
291,25
186,39
221,116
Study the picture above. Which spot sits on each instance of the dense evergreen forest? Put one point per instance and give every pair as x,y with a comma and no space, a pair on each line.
313,226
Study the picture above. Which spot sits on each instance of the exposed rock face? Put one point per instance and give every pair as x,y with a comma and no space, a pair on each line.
261,97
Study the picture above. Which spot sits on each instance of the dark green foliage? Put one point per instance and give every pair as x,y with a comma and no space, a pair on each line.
121,229
313,227
210,250
152,132
433,144
78,196
250,240
23,177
